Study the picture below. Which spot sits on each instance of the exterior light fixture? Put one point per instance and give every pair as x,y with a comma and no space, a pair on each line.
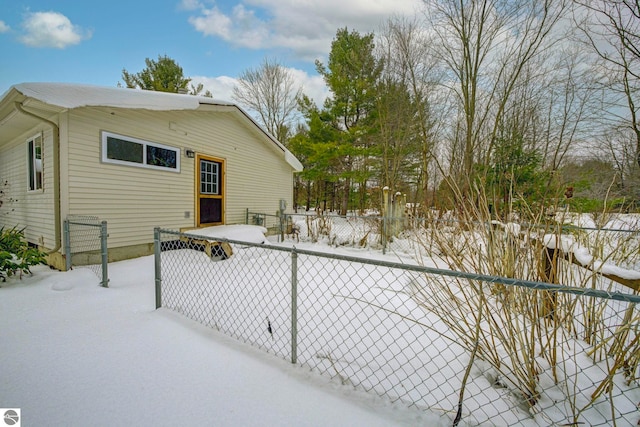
189,153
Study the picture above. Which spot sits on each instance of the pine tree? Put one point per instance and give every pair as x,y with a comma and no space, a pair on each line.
351,75
163,75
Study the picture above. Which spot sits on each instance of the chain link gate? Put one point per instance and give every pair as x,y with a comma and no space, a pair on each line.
86,245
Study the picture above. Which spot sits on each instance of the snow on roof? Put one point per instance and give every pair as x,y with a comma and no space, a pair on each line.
70,95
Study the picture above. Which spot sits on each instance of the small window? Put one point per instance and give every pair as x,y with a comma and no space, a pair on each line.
34,158
125,150
210,177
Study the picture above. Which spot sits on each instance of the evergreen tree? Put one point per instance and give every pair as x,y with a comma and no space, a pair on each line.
317,149
515,174
351,75
163,75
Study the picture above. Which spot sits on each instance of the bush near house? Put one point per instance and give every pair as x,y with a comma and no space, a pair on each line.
16,256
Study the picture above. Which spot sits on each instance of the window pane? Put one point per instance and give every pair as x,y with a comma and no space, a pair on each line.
34,151
119,149
157,156
38,162
30,150
209,177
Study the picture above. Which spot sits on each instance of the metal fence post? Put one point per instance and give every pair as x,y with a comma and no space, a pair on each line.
282,222
158,277
294,306
105,253
385,214
67,245
384,234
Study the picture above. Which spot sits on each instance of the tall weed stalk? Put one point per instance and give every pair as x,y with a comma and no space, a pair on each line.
529,338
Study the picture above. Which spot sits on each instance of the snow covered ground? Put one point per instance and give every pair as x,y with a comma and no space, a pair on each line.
75,354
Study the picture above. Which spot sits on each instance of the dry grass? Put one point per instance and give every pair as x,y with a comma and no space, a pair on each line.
532,341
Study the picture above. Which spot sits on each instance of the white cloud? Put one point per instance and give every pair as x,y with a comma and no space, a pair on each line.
220,87
306,27
241,27
312,86
190,5
51,29
4,27
212,22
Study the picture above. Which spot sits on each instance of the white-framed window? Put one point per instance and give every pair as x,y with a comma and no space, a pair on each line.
34,162
210,173
126,150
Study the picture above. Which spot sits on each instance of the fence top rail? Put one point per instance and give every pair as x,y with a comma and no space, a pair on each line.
575,227
541,286
89,224
263,214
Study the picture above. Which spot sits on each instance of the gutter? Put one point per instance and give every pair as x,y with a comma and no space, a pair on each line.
56,167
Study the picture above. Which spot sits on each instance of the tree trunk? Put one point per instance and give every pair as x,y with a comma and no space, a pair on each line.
345,196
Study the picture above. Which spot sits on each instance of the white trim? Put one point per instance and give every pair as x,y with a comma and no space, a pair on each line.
104,135
217,174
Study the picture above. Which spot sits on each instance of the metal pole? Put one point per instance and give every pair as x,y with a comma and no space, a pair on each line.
158,277
67,246
385,222
282,222
294,306
105,253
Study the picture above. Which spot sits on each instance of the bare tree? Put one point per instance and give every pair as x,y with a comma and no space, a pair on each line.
487,45
573,103
270,91
619,147
408,121
554,105
612,29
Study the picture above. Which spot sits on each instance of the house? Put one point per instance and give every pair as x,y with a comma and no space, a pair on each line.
136,159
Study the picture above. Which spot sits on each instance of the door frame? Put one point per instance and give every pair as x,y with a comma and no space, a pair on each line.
221,196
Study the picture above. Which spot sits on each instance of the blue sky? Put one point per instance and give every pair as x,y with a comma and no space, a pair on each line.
214,41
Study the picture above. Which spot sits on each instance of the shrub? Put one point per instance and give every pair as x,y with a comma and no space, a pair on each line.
16,256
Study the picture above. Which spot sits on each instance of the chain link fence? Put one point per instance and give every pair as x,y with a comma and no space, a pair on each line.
86,245
476,349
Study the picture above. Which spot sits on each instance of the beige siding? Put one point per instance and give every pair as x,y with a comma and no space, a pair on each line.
32,210
134,200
